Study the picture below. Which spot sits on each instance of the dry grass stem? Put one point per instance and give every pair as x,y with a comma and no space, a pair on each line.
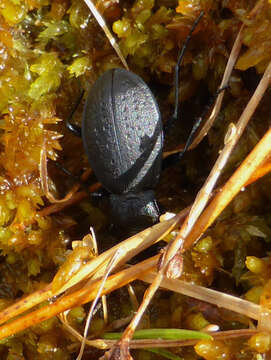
236,182
100,20
210,296
130,247
81,296
225,80
110,267
25,304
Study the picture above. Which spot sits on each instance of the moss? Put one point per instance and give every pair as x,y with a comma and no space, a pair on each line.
50,51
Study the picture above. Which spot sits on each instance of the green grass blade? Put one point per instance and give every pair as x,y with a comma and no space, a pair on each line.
163,334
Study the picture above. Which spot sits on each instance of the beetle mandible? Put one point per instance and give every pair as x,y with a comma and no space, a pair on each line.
122,135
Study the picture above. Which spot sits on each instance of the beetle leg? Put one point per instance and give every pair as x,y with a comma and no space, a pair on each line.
77,179
172,159
66,171
75,129
99,194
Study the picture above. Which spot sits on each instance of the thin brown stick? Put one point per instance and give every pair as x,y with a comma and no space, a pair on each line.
229,67
107,32
110,267
25,304
210,296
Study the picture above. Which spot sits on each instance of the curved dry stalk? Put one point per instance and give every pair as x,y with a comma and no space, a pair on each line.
44,181
107,32
51,209
183,241
75,198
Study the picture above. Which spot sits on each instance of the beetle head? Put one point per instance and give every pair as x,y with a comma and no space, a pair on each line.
134,211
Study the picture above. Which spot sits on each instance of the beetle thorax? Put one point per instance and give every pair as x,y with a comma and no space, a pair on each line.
134,210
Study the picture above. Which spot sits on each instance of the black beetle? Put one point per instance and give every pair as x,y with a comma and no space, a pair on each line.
122,135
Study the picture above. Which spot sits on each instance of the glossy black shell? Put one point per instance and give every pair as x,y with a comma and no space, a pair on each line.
122,132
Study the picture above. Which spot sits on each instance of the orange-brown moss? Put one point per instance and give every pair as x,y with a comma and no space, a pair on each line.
45,47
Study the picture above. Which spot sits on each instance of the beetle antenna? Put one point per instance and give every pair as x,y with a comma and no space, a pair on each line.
174,117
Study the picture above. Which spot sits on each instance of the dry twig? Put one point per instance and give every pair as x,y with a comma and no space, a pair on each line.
106,30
